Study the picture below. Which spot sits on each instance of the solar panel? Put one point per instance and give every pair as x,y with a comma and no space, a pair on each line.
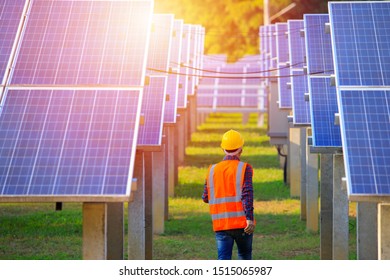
83,43
184,71
361,43
192,60
296,43
300,107
153,103
68,143
360,37
159,55
323,98
282,53
285,98
318,45
364,117
10,18
323,107
173,79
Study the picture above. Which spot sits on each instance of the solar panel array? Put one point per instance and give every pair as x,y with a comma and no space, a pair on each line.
184,70
323,98
71,106
73,74
67,142
153,102
170,112
10,20
299,83
234,86
361,44
58,33
283,57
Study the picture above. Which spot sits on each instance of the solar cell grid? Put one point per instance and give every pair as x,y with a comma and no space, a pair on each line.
323,106
296,43
360,38
318,45
282,53
58,33
153,104
184,71
365,126
67,142
173,79
300,107
285,99
10,17
159,55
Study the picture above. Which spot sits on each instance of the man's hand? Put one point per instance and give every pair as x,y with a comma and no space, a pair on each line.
250,227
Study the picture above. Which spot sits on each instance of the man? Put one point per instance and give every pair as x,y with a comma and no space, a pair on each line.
229,192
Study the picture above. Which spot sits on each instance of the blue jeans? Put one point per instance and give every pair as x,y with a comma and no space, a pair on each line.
225,241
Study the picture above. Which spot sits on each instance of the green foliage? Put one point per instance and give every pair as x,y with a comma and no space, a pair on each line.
232,26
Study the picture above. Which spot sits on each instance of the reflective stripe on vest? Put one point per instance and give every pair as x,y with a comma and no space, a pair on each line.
237,198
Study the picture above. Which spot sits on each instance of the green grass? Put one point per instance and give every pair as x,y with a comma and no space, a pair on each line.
37,231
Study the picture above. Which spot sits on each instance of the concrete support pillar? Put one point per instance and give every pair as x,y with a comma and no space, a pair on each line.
136,213
170,158
340,211
326,211
148,205
181,137
384,231
245,118
193,116
176,151
115,231
367,230
260,119
302,158
312,211
294,163
94,231
158,191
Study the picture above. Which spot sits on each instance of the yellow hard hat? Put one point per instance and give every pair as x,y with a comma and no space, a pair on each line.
232,140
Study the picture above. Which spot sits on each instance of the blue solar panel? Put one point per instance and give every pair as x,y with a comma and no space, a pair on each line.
296,43
318,45
184,71
62,44
285,98
153,103
272,34
173,79
323,106
361,42
192,60
68,143
159,54
205,97
364,117
300,107
282,52
10,17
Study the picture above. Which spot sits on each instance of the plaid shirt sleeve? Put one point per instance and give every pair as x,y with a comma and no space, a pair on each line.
247,193
205,195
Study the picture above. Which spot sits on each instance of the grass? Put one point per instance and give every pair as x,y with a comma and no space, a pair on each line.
36,231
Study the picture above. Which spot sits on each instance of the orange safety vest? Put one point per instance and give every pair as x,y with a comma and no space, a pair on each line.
224,185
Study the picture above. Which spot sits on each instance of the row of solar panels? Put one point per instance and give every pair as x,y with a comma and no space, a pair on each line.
340,63
78,78
231,85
